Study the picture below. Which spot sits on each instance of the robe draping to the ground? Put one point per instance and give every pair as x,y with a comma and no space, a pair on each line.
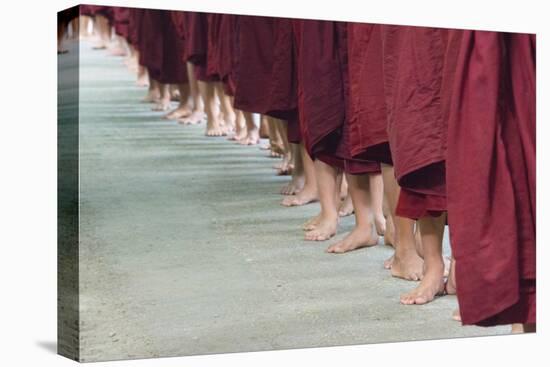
121,20
160,47
491,178
227,51
254,71
323,98
93,10
150,41
173,68
196,29
213,56
134,21
417,73
368,114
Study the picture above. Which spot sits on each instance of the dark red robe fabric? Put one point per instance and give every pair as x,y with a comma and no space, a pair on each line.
226,52
323,98
196,25
417,70
255,63
173,69
121,21
106,11
161,48
150,43
134,21
491,178
368,113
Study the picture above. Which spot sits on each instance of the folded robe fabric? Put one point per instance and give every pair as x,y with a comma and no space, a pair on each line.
418,71
121,20
491,178
323,98
368,113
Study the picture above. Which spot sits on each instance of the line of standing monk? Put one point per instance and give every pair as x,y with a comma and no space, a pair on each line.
422,127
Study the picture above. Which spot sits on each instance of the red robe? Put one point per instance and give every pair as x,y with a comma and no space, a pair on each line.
368,116
160,47
491,178
418,70
196,29
323,94
121,20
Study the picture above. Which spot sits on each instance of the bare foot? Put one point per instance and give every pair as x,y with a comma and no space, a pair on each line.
178,113
142,80
311,223
358,238
215,131
306,196
450,284
162,105
238,136
193,119
388,262
407,266
456,315
431,286
294,186
151,97
324,230
380,224
346,207
117,51
252,138
389,234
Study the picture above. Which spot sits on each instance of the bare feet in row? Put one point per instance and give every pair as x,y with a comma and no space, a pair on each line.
406,265
346,207
252,138
178,113
358,238
295,185
309,194
323,229
432,285
162,105
193,119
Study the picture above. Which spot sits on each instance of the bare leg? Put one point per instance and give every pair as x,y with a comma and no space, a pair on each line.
164,102
310,192
280,128
226,107
252,130
103,31
197,115
406,263
377,197
363,235
142,76
153,94
240,125
296,184
432,284
327,183
183,109
213,123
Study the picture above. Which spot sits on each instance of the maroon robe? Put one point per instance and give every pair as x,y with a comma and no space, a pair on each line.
134,21
323,94
255,63
196,29
417,69
226,52
121,20
491,178
161,48
368,113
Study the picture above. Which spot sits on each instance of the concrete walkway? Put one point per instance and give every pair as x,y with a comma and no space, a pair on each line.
185,249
